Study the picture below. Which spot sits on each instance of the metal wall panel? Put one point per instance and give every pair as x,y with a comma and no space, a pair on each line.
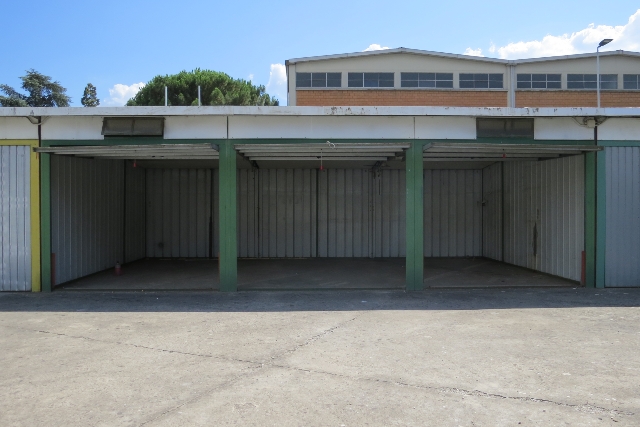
134,213
389,217
492,211
544,215
15,219
179,213
452,213
87,221
622,249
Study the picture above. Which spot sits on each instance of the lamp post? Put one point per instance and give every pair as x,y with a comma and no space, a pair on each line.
602,43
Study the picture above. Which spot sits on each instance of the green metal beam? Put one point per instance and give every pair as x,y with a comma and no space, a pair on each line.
601,211
124,141
590,219
414,222
228,263
45,221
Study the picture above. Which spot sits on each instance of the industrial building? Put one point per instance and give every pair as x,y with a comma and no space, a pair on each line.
330,196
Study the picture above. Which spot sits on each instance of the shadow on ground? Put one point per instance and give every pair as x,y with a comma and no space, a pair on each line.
329,300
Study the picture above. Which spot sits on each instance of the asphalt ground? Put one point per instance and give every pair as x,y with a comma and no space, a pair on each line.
450,357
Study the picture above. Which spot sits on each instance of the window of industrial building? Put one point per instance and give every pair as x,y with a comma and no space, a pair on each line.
431,80
588,81
481,81
631,81
318,79
370,79
504,128
140,126
539,81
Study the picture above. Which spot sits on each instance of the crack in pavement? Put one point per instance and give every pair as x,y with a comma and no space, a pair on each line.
585,408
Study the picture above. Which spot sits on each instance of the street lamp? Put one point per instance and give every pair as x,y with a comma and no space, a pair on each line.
602,43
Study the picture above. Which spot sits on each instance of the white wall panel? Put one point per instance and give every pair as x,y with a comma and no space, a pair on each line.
179,213
87,221
445,127
195,127
15,219
627,129
74,127
561,128
347,127
492,211
622,250
544,215
17,128
452,213
134,213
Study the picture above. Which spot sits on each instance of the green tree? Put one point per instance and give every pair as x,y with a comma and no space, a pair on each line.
90,97
215,88
42,92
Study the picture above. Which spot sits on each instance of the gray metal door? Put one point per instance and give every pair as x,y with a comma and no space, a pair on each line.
15,219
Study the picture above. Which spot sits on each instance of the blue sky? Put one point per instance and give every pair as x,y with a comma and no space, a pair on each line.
110,43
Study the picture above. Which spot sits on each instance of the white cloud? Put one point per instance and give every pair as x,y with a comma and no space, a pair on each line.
625,37
473,52
277,85
119,94
251,77
374,46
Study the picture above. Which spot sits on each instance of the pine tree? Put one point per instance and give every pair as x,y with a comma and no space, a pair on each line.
90,98
43,92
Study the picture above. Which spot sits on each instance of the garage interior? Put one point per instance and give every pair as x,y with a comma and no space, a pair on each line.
316,215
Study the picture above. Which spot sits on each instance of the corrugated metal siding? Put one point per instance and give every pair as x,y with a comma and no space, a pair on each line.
623,216
179,211
87,201
353,213
452,213
15,219
135,219
544,215
492,211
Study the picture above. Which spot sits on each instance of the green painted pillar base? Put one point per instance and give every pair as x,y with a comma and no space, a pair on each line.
45,221
590,219
228,263
414,222
601,210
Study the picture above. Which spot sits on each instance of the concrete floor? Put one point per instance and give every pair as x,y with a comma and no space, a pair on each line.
453,357
307,274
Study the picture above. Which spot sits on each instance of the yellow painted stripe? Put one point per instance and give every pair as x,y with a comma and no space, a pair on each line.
34,166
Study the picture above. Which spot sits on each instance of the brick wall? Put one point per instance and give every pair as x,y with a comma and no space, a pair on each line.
401,98
566,98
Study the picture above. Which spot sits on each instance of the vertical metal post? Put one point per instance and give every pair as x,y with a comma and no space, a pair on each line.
166,100
228,235
601,211
590,219
598,73
414,222
45,221
199,98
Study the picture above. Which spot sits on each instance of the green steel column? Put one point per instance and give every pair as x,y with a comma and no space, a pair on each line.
45,221
601,210
228,237
590,218
415,226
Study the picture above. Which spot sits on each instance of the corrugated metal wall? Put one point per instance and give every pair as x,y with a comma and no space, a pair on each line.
452,213
492,211
623,216
87,201
179,211
135,217
389,213
544,215
15,219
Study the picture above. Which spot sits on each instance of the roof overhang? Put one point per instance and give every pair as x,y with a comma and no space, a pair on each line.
366,152
138,152
449,152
